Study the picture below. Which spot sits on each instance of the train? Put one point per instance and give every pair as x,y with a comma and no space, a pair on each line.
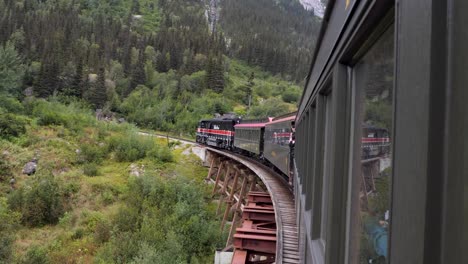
272,140
269,140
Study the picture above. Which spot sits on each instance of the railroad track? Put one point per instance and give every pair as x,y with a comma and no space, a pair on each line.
287,250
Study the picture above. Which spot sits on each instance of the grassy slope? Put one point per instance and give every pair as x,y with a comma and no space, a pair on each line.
100,197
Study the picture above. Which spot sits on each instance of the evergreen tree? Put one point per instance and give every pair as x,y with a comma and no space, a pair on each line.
138,74
11,70
48,80
98,95
77,83
215,74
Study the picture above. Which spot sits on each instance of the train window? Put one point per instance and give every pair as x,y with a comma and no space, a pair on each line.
372,172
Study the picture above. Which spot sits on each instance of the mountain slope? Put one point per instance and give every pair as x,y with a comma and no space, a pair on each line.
278,36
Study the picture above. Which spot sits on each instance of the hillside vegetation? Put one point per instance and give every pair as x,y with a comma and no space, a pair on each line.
101,192
110,52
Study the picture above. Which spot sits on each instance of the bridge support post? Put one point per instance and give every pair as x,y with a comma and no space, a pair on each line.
208,177
220,168
229,201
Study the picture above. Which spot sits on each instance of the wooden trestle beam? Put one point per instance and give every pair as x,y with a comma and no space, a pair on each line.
248,208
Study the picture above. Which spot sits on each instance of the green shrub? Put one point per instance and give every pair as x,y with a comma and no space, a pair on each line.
90,169
12,125
164,154
130,148
91,154
36,255
8,223
10,104
78,234
40,202
107,197
74,116
102,233
291,95
5,169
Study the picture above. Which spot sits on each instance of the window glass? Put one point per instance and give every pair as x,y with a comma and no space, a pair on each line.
372,180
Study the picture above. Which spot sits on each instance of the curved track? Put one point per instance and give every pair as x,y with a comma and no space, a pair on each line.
287,248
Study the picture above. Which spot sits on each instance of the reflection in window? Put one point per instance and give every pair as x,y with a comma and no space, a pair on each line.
374,77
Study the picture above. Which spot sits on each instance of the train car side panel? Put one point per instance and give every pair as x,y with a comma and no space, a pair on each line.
278,144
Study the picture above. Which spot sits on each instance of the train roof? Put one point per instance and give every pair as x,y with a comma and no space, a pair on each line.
219,120
283,119
293,114
255,121
252,125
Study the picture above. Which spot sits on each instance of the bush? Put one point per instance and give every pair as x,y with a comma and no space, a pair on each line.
40,202
5,169
91,154
90,169
107,197
130,148
78,234
73,116
36,255
164,154
12,125
8,223
102,233
291,95
11,105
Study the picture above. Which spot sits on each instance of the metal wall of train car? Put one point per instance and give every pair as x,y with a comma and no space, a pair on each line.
278,140
415,52
249,138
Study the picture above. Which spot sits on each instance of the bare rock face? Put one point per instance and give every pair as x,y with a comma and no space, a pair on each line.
30,167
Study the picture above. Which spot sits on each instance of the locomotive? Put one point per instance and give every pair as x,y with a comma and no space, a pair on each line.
272,140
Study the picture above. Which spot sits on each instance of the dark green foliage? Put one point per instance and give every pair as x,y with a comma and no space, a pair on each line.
12,125
98,92
379,113
130,148
164,221
215,74
73,116
271,108
36,255
90,169
78,234
102,233
48,80
40,202
11,70
279,35
77,85
155,65
162,153
9,222
11,105
379,202
5,169
91,153
291,95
